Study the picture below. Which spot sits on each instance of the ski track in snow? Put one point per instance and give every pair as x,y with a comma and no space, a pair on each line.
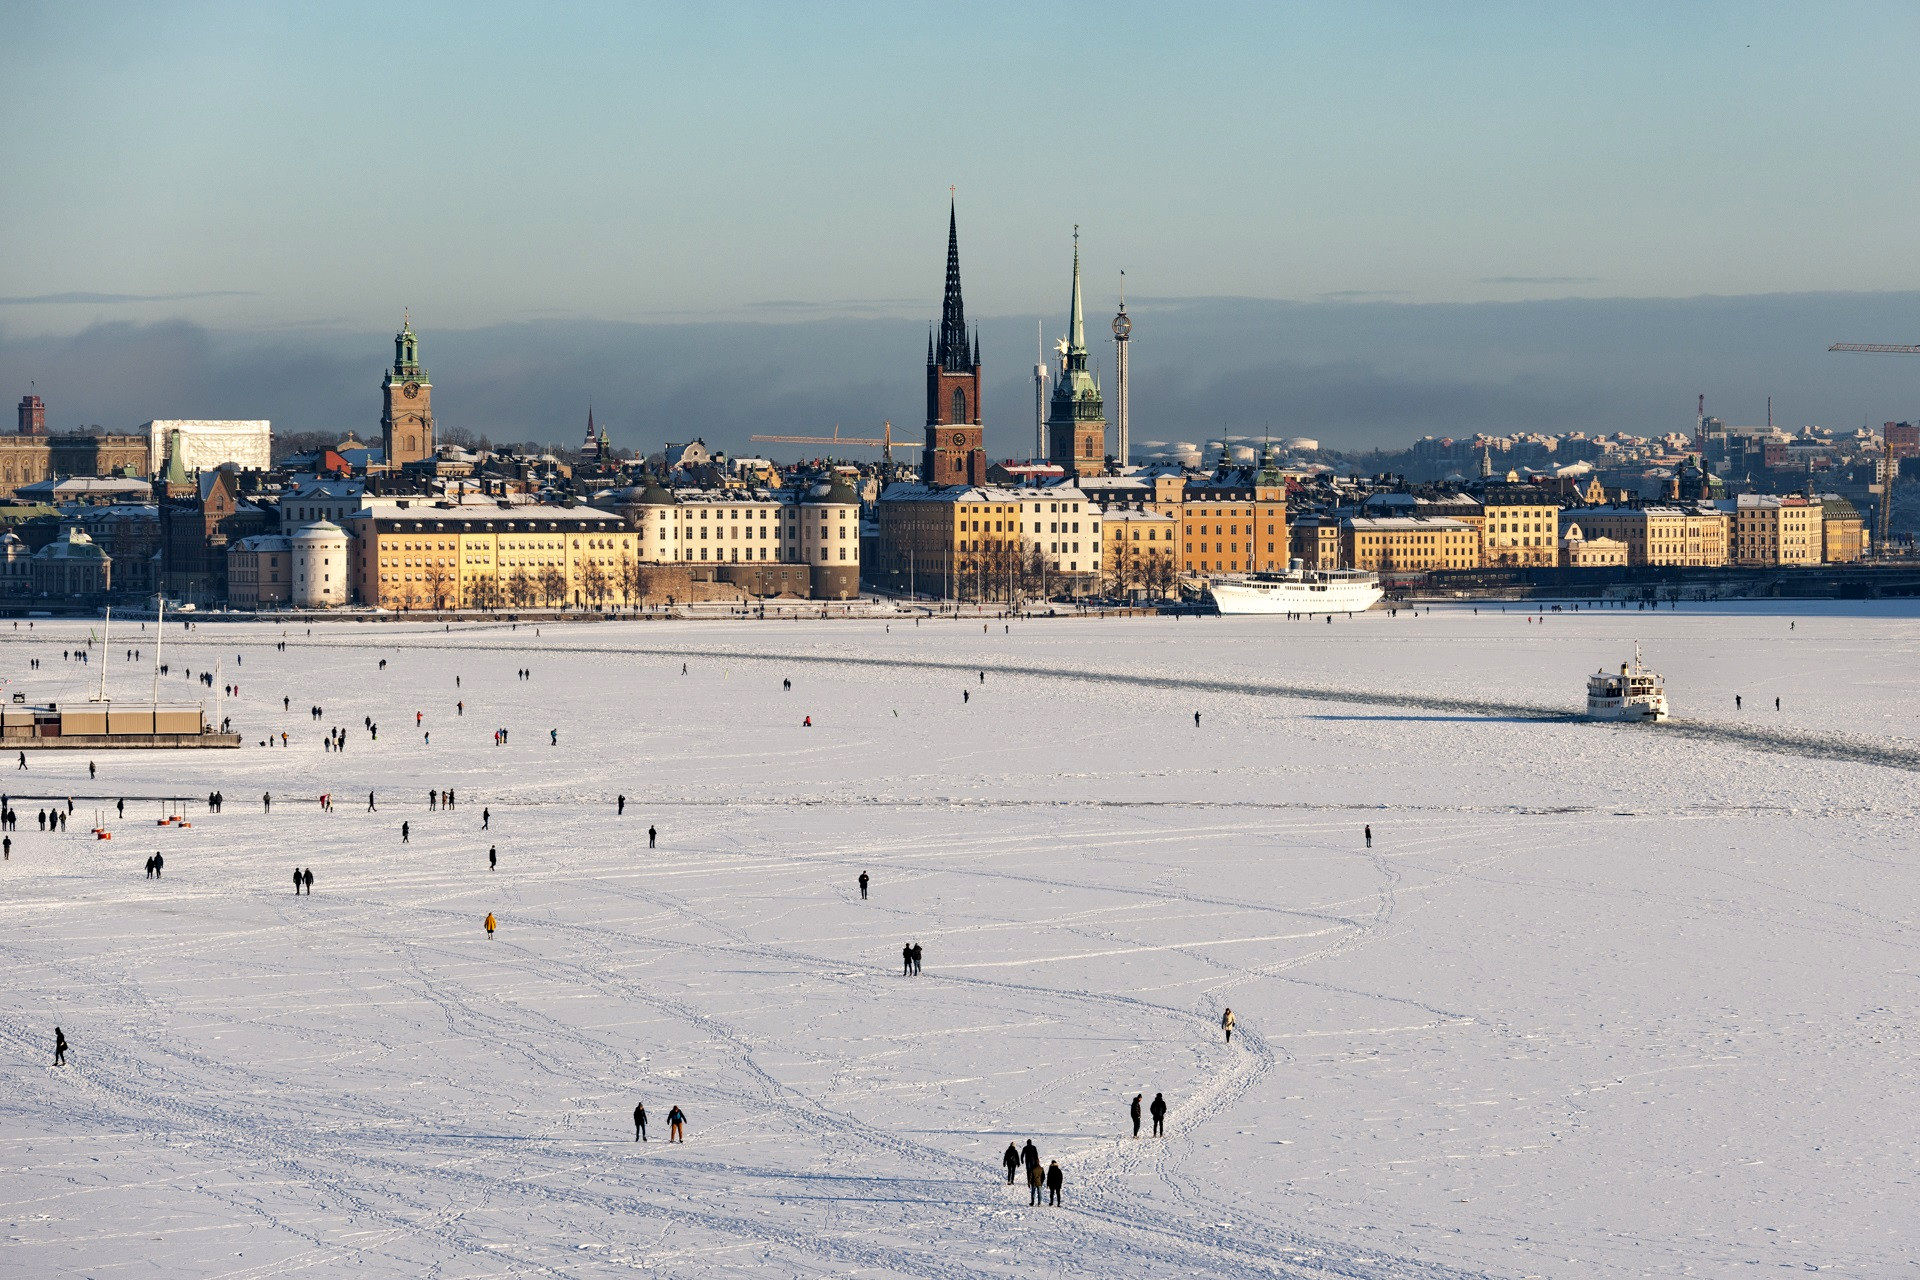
1462,1052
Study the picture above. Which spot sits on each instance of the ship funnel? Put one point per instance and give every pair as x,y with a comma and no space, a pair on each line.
1296,564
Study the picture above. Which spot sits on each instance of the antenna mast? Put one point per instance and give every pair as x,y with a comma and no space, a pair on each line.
1039,390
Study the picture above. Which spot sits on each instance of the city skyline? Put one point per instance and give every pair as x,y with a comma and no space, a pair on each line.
669,212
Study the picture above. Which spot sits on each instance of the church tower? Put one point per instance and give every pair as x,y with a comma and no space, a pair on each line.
1076,421
406,419
955,451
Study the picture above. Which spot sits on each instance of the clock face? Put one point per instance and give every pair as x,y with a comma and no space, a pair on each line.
1122,326
958,438
412,389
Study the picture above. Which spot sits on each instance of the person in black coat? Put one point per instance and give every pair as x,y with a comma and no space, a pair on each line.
296,882
1030,1154
1159,1112
1012,1161
916,959
1055,1180
906,960
640,1123
1136,1115
308,877
863,886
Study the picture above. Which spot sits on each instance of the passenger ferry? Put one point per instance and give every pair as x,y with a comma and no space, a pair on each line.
1297,590
1635,693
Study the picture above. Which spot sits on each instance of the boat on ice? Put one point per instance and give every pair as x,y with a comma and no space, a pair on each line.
1632,693
1297,590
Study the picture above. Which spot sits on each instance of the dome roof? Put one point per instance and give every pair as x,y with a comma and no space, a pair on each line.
320,531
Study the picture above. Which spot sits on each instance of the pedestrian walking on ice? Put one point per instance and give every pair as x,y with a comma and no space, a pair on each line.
1136,1114
863,886
405,827
906,960
1159,1113
486,817
1036,1179
677,1126
1012,1160
490,923
493,858
1196,719
620,806
1368,831
1226,1024
296,882
59,1047
640,1122
1030,1154
652,835
916,959
308,878
1055,1180
1776,704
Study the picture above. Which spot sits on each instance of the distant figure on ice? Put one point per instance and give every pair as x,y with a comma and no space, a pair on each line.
298,879
807,723
863,886
1012,1160
1055,1180
1196,719
1030,1154
677,1126
1736,702
493,858
307,877
1159,1112
652,835
916,959
490,923
1368,829
59,1047
486,817
555,735
1136,1114
906,960
619,806
1036,1179
965,695
159,865
1776,704
405,828
1226,1024
266,801
640,1122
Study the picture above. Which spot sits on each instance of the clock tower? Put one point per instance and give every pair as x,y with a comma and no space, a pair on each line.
406,418
955,451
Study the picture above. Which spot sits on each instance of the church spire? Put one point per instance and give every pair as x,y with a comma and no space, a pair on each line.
1077,344
952,353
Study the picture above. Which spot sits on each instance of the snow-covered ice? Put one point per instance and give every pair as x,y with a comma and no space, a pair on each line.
1601,1001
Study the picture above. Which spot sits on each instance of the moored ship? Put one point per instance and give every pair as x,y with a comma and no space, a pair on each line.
1297,590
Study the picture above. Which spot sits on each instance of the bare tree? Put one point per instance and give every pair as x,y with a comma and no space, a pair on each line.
593,581
553,584
520,588
486,592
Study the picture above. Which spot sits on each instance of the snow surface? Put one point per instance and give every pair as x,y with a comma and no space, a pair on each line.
1601,1000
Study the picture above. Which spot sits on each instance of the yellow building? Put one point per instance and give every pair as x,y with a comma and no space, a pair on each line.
1406,544
1769,530
1139,549
447,556
1519,526
1316,542
818,527
1843,531
947,540
1660,535
1577,551
1235,521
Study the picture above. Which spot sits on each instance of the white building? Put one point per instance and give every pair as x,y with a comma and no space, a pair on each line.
1064,524
206,443
319,566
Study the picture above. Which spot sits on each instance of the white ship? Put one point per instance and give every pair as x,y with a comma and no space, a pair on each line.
1297,590
1634,693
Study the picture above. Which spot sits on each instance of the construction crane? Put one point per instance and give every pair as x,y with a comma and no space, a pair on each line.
1889,465
884,442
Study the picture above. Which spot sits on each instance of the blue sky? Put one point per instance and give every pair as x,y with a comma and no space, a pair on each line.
280,169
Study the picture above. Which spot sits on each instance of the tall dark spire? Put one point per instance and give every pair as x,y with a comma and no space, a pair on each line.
952,353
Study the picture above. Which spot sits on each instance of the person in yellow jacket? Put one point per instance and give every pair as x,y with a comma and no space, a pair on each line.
490,923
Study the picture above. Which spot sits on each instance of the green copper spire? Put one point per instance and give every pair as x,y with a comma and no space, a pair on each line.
1077,343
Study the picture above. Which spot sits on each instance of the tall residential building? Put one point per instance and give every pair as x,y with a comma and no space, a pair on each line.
406,416
1076,423
955,451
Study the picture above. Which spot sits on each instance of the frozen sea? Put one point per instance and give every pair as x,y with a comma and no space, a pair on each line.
1600,1001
